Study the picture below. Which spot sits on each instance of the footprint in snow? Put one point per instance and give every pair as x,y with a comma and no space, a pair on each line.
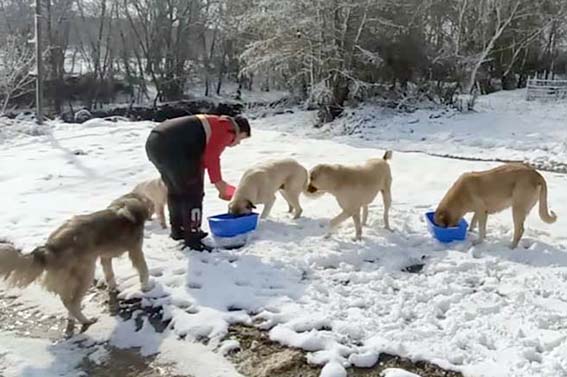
194,285
242,283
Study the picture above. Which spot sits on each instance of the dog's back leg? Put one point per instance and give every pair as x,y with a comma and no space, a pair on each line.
160,211
292,199
387,199
357,225
289,206
136,255
519,215
364,215
108,273
524,200
73,301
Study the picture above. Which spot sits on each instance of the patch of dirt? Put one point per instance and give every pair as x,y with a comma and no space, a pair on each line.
30,322
125,363
260,357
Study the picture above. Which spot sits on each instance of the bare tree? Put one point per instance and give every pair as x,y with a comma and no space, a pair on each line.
58,16
314,44
161,30
16,63
96,45
326,51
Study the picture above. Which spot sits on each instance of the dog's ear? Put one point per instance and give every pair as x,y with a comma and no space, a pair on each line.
250,205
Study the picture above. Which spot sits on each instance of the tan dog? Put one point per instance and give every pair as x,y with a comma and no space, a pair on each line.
69,256
156,190
354,187
511,185
260,184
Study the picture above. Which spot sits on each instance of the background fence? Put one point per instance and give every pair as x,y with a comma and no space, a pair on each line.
546,89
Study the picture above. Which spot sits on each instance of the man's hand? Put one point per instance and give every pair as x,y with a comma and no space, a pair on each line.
225,190
221,187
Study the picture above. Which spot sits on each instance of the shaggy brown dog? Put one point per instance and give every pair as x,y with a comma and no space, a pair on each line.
486,192
67,260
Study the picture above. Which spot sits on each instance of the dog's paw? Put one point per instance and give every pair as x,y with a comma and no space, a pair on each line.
70,328
148,286
111,286
85,326
477,242
113,306
475,252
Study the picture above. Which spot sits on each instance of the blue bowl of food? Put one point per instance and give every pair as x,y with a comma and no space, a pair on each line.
227,225
449,234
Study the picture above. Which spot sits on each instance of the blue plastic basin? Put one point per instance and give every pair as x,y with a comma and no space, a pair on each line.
227,225
446,235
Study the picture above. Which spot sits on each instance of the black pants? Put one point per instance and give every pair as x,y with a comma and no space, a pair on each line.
176,148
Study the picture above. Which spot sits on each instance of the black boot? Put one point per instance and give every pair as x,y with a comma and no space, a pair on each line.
178,236
175,208
192,213
197,245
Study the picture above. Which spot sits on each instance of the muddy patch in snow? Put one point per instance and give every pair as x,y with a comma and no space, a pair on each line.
100,360
258,356
254,354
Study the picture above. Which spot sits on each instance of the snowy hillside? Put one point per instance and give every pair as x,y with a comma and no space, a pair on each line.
504,126
485,311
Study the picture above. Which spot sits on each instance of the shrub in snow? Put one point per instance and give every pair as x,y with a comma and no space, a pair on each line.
464,102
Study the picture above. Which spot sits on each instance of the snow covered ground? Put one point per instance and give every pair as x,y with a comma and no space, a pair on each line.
485,310
504,126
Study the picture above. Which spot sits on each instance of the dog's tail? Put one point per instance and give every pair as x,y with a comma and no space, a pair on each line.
388,155
547,216
20,270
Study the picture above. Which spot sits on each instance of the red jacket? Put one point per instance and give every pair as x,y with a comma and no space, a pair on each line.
220,132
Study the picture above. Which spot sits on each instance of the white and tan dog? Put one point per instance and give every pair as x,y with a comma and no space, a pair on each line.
486,192
156,190
260,184
354,187
66,262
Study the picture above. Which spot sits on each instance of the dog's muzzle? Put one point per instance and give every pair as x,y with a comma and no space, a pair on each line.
312,189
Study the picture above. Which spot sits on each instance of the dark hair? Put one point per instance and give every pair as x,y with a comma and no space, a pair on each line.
243,124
